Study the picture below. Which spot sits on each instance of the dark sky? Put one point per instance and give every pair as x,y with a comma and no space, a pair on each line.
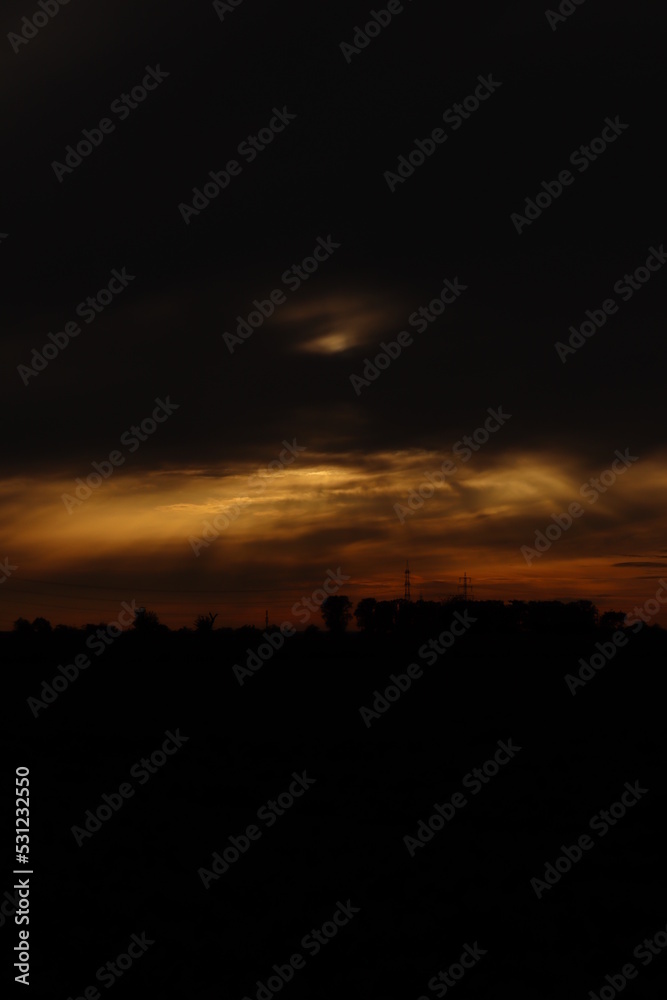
324,176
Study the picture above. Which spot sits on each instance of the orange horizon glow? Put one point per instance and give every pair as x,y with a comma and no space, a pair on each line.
132,538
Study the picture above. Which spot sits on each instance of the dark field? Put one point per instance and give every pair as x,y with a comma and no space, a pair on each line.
343,838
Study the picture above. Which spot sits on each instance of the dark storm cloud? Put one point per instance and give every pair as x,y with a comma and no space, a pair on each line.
324,176
238,405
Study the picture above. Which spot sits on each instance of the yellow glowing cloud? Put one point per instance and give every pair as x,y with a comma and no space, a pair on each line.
341,510
338,323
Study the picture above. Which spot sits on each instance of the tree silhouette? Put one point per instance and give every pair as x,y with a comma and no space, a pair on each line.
336,612
204,623
22,626
41,626
384,617
364,613
612,619
146,621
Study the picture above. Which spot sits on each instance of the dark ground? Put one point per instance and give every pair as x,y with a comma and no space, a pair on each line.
343,840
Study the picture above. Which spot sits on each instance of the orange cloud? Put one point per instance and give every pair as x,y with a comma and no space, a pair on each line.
132,538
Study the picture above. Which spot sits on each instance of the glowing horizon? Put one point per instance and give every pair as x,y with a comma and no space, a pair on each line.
321,512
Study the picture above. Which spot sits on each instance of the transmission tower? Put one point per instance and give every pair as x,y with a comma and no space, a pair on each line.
406,593
465,583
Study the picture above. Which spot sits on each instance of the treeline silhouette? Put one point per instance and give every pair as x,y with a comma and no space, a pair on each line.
373,618
512,662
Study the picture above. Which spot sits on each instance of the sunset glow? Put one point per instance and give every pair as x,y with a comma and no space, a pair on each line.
131,538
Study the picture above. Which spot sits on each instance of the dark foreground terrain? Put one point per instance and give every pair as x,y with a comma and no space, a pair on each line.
188,757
